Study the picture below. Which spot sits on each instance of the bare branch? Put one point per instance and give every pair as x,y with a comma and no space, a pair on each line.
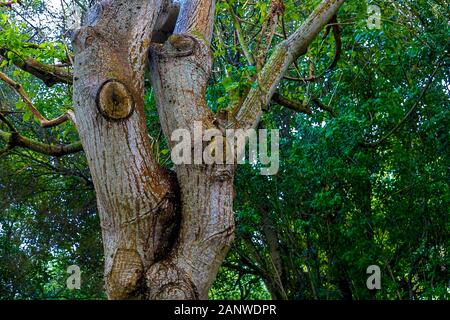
42,120
323,106
14,139
276,9
240,36
296,106
337,55
49,74
299,106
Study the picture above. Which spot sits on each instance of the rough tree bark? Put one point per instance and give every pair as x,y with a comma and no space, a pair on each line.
165,233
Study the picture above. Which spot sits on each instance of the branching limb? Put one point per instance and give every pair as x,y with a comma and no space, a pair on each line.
319,104
299,106
42,120
240,36
334,25
266,34
296,106
276,9
14,139
284,55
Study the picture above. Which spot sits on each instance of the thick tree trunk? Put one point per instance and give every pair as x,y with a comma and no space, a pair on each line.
165,234
136,199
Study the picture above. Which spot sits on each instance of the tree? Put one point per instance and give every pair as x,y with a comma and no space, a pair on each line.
165,233
363,175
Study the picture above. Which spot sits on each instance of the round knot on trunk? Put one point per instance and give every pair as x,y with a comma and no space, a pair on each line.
114,100
177,45
182,43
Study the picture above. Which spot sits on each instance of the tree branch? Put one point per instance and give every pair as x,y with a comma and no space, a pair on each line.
42,120
284,55
14,139
240,36
290,104
276,9
8,124
323,106
49,74
334,25
165,27
298,106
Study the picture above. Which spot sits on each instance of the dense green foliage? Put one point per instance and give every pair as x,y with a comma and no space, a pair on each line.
364,183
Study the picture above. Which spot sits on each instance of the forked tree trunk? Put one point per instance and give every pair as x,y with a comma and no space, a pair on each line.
165,233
